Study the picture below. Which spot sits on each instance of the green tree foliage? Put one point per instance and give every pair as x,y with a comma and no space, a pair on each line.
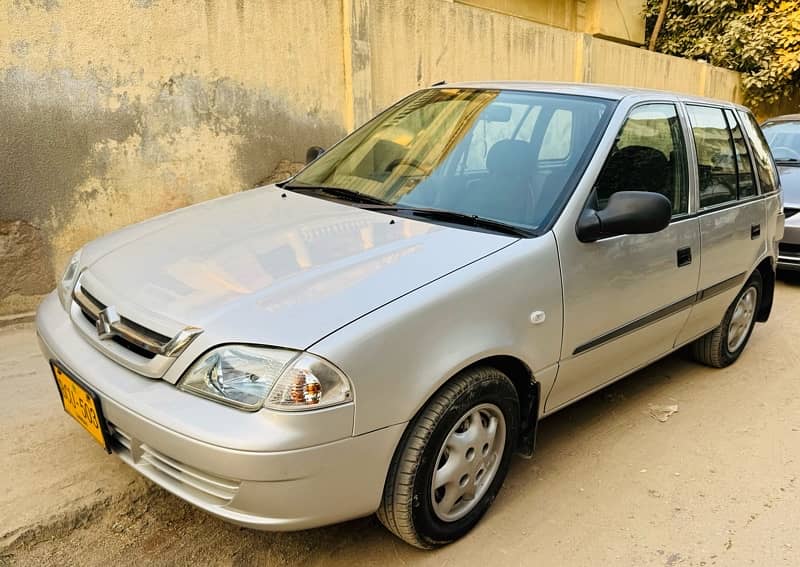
761,40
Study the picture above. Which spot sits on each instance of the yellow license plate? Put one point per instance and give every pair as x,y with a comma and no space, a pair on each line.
82,404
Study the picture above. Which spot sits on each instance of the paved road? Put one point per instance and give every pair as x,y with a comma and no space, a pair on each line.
716,484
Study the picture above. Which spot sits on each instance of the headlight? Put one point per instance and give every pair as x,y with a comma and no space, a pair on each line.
254,377
67,283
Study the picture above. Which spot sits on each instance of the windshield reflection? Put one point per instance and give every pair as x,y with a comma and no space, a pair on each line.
507,156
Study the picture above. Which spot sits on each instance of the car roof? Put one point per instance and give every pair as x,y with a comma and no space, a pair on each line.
611,92
784,118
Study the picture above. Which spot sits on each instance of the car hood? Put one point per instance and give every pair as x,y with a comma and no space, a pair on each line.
790,183
271,267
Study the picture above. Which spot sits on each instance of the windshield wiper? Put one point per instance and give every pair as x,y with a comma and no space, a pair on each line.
375,204
790,160
339,192
457,218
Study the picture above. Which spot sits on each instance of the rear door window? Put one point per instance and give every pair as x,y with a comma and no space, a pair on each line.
716,160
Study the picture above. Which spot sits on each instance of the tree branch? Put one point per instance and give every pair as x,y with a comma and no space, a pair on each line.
662,14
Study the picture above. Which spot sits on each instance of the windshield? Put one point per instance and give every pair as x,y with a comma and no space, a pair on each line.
507,156
784,140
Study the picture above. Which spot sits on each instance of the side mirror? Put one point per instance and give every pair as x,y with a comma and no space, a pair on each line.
313,153
627,212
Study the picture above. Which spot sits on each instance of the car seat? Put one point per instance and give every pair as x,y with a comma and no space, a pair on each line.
506,193
635,168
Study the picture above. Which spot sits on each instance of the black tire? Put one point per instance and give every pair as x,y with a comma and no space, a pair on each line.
407,508
712,349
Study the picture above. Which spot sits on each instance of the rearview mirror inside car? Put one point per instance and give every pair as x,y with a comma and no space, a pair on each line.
496,113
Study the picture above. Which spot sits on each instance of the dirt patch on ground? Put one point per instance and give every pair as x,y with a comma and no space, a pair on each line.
148,525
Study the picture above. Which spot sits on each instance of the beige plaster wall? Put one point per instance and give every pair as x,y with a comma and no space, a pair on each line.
112,112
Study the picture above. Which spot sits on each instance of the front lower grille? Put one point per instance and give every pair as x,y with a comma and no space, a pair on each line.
170,473
120,440
790,212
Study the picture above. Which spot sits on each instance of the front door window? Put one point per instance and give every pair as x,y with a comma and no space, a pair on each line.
648,155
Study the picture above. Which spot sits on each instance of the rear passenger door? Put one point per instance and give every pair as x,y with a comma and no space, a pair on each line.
731,211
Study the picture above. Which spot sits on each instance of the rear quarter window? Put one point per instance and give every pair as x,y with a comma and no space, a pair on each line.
765,167
744,167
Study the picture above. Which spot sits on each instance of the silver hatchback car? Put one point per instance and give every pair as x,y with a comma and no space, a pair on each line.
385,330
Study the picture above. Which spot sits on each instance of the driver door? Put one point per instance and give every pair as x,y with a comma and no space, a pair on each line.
627,297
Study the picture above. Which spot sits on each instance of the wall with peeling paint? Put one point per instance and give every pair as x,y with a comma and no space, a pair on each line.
111,113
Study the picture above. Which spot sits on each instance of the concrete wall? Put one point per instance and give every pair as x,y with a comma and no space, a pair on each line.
616,64
621,20
424,42
114,112
559,13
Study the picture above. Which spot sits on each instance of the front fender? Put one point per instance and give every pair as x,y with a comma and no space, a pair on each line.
399,355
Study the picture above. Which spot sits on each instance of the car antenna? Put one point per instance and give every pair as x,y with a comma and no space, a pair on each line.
439,83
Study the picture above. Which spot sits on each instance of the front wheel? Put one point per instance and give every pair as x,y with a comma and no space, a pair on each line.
452,459
722,346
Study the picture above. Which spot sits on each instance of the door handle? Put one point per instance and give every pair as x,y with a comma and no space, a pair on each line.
755,231
684,256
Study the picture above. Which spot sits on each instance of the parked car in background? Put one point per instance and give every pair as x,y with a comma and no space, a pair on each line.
783,136
383,331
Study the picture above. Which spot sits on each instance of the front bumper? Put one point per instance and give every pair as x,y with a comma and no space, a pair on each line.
789,246
178,441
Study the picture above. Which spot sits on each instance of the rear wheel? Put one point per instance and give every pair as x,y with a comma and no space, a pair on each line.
722,346
452,459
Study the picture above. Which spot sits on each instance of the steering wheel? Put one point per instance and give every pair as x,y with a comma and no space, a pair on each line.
793,154
404,161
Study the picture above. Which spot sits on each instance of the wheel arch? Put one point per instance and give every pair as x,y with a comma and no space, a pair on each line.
528,390
767,270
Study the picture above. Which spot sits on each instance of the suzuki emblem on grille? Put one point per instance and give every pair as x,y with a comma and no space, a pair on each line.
106,320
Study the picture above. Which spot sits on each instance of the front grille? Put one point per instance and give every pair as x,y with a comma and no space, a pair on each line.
787,249
129,334
123,340
788,254
119,340
170,473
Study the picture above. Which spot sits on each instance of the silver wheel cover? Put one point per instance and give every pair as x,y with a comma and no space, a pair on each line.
468,462
742,318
